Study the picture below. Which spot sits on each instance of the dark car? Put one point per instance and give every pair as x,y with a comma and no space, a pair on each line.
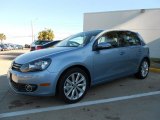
27,46
34,45
46,45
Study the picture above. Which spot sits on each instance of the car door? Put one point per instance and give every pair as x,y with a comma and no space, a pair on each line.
109,63
135,50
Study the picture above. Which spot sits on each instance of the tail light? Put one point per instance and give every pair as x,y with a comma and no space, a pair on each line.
39,47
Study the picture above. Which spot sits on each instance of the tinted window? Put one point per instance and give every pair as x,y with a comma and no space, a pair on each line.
127,38
123,39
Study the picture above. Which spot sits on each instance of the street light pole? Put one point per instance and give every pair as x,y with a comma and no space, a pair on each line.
32,31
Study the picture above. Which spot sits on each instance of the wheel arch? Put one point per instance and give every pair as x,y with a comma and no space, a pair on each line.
146,58
73,66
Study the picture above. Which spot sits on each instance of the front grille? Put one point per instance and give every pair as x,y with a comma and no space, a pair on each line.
18,86
16,66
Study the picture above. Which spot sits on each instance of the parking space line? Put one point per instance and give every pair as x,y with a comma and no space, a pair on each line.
88,103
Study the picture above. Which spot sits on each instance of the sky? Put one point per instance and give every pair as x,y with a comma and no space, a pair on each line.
64,17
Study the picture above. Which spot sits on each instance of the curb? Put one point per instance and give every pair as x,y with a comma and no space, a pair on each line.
154,70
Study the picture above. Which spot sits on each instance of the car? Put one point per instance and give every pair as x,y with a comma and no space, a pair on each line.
19,47
79,62
47,45
12,46
27,46
35,45
4,47
9,47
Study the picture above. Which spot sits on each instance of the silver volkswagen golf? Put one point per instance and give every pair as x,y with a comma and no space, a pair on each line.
78,62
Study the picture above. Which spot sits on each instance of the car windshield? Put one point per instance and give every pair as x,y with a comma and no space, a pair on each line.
78,40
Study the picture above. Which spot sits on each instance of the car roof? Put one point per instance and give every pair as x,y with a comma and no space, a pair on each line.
119,30
93,31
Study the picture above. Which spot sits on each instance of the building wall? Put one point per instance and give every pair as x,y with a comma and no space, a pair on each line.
146,22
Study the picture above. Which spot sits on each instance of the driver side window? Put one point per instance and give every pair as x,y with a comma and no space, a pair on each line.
110,37
102,39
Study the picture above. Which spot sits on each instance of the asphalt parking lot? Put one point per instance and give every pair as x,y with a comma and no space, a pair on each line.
123,99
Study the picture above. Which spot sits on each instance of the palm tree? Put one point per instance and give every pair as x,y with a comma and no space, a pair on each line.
2,37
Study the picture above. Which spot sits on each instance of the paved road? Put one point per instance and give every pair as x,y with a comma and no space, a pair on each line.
142,108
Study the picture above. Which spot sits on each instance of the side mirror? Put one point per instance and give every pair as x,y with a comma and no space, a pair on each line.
103,45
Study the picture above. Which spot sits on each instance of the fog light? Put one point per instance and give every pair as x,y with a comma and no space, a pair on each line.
30,88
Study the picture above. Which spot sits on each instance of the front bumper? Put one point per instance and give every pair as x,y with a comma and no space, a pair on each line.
19,80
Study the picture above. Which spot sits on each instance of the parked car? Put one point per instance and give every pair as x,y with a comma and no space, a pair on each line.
19,47
79,62
15,47
12,46
35,45
27,46
47,45
8,47
4,47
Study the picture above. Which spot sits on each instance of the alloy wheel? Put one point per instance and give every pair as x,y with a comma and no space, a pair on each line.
75,86
144,68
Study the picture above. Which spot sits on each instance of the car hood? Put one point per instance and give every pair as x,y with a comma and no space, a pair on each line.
28,57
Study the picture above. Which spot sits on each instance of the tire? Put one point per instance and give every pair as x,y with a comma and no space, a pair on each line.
73,85
143,69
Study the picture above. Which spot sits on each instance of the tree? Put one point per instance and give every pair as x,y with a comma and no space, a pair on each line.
46,35
2,37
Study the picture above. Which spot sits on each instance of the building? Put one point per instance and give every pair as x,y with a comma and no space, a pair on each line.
144,21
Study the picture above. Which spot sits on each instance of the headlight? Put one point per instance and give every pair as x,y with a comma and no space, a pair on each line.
37,65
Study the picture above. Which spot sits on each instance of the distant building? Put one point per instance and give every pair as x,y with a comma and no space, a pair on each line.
144,21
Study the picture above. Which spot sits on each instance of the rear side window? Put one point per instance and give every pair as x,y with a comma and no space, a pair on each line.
133,39
127,38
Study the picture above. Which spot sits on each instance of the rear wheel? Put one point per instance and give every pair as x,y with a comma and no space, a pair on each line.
73,85
143,69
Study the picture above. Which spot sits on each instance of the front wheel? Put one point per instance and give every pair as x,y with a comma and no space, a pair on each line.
73,85
143,69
